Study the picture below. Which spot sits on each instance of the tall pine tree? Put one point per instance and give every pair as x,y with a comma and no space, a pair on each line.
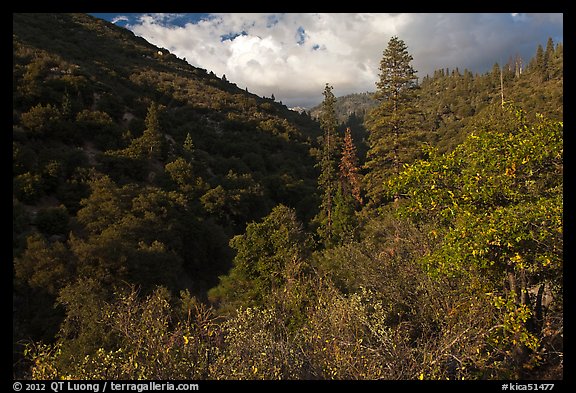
540,65
392,124
328,180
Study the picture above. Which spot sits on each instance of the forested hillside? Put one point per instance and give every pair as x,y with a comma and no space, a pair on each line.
168,224
451,99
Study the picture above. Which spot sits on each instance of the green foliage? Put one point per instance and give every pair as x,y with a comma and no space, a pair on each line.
53,221
130,235
44,265
239,198
44,356
347,339
28,187
151,145
345,223
41,120
148,339
328,179
393,123
357,104
264,253
20,226
103,207
82,331
189,145
497,202
99,127
182,175
256,347
24,158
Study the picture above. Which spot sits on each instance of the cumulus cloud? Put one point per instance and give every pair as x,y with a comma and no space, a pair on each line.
294,55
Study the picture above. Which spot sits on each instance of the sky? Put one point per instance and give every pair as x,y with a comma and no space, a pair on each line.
293,55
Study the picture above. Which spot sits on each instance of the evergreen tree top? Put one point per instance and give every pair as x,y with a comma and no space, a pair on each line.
396,72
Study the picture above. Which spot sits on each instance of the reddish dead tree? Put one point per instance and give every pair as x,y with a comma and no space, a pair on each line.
349,171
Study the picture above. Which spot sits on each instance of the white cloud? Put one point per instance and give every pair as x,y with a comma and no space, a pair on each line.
119,18
293,55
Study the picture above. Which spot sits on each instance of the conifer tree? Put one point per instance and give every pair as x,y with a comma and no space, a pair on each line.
188,143
540,63
189,148
392,122
151,144
346,196
328,180
349,170
548,58
152,137
264,252
345,222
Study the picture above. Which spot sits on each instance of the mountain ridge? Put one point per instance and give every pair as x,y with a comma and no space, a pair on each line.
92,100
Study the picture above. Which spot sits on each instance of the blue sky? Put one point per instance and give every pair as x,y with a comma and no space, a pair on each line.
132,18
293,55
